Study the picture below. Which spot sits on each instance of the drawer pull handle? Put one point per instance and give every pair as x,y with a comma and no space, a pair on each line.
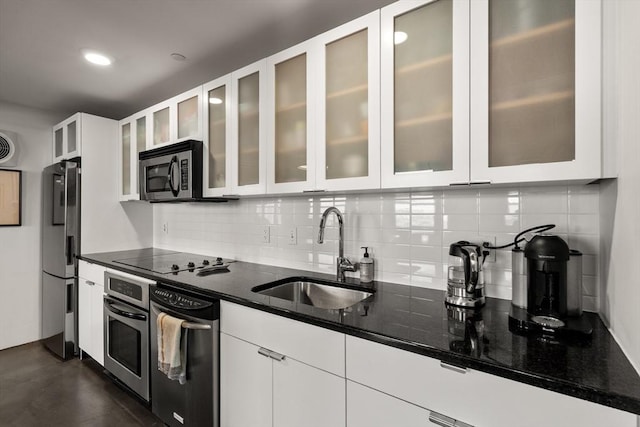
89,283
263,351
444,421
272,354
277,356
441,420
480,183
453,368
314,191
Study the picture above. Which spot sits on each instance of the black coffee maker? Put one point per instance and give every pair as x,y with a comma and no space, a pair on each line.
547,311
547,257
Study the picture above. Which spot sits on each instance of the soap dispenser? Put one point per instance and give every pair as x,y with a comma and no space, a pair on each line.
366,267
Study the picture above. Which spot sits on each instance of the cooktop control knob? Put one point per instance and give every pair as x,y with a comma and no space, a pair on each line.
175,267
191,264
218,260
205,262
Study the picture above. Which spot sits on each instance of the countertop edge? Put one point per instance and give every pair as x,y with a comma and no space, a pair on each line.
612,400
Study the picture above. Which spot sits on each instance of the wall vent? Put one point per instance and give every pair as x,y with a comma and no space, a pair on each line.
8,149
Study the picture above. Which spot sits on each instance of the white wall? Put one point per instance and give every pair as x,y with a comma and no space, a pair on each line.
620,200
409,232
20,264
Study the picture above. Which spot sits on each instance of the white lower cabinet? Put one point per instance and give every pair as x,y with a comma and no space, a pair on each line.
306,396
367,407
245,382
464,395
284,373
284,377
90,318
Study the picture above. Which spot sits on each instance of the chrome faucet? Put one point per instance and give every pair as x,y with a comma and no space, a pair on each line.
342,263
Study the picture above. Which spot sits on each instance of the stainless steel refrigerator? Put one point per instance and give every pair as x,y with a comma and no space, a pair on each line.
60,245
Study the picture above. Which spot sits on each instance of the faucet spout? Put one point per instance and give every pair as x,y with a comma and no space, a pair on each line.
342,264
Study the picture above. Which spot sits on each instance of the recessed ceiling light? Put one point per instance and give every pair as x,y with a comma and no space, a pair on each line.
96,58
400,37
178,57
215,101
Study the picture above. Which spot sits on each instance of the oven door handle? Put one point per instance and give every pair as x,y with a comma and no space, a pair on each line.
134,316
185,324
172,165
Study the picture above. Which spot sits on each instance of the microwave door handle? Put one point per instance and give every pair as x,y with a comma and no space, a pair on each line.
172,165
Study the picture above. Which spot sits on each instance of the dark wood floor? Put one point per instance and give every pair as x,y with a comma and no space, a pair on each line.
38,389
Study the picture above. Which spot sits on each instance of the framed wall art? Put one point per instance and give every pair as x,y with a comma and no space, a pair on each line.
10,198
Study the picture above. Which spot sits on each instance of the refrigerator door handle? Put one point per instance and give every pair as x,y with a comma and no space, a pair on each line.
70,249
70,298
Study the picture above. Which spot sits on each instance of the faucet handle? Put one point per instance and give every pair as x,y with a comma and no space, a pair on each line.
347,265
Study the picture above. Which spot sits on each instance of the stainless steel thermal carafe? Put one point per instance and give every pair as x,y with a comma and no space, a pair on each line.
574,283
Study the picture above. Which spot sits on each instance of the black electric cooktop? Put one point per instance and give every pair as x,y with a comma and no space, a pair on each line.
173,262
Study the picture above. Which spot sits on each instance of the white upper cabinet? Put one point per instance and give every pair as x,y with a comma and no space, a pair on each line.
235,151
291,142
67,141
348,130
324,111
133,137
177,119
535,90
425,93
248,119
217,162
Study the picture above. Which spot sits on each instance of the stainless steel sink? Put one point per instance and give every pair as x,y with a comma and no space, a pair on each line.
314,293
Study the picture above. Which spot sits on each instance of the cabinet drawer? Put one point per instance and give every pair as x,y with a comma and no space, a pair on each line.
309,344
370,408
91,272
475,397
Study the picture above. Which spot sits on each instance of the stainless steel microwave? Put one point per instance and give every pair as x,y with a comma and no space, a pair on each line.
172,172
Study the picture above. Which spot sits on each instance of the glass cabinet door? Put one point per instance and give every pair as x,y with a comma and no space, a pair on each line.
58,139
126,158
425,96
248,98
161,126
188,117
347,126
217,137
249,152
292,88
348,151
531,82
536,93
72,138
291,120
141,145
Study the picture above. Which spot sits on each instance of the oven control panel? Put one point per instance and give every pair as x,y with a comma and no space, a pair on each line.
171,298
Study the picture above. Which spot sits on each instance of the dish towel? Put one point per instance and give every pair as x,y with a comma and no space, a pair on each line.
172,347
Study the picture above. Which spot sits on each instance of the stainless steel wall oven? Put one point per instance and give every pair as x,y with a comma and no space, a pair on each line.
126,331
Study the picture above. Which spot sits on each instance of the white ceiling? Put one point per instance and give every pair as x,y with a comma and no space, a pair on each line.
40,42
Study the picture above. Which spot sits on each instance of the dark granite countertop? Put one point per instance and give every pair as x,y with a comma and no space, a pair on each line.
417,320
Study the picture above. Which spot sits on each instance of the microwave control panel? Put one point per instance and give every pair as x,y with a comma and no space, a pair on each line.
184,174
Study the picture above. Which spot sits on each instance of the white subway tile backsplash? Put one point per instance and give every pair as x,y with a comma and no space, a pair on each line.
460,202
544,200
427,222
505,223
499,201
583,201
408,232
426,237
560,220
584,223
